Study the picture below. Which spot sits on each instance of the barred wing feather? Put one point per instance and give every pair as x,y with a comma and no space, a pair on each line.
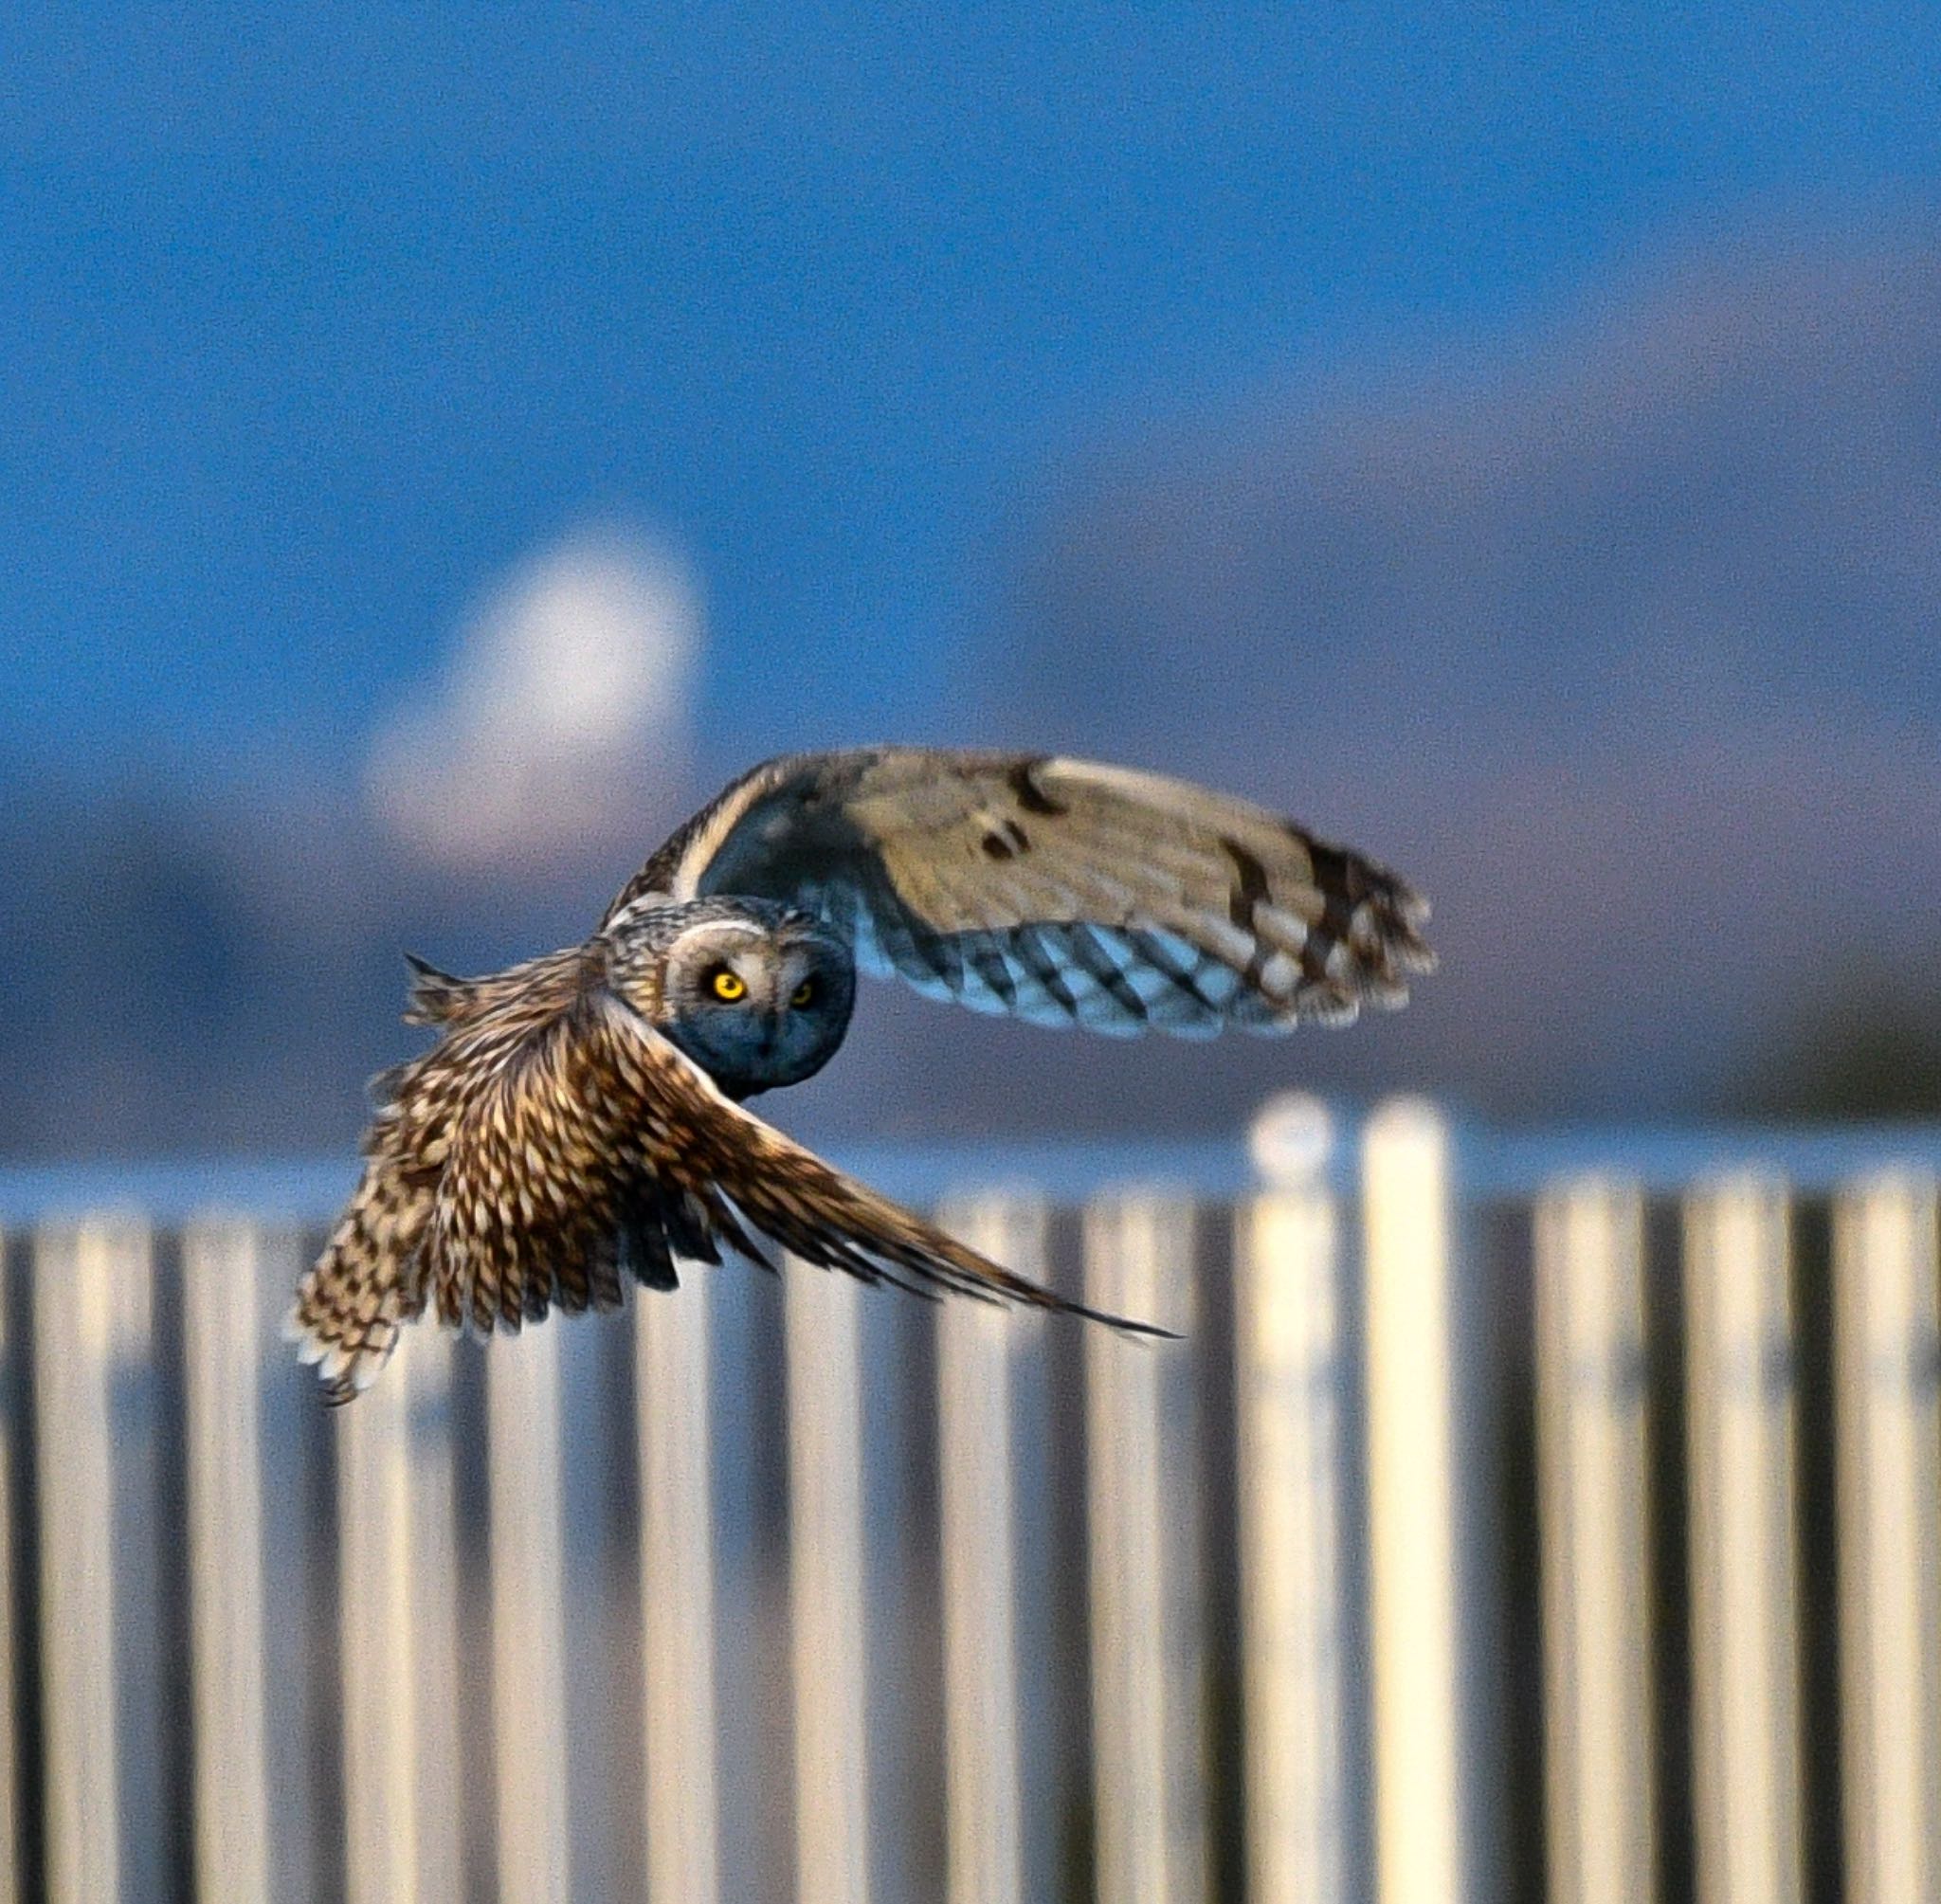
1060,891
553,1145
604,1146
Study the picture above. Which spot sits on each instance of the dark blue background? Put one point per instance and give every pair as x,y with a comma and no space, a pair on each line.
932,337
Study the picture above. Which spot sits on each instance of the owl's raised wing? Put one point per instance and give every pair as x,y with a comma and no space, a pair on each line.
1059,891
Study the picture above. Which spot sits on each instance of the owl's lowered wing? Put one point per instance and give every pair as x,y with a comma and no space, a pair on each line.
1060,891
600,1150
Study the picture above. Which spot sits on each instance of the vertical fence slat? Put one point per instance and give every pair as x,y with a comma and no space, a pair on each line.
1414,1626
426,1363
984,1834
99,1432
1594,1520
299,1512
1290,1394
377,1641
222,1265
397,1615
1142,1507
827,1586
82,1273
528,1586
674,1399
1739,1436
1887,1342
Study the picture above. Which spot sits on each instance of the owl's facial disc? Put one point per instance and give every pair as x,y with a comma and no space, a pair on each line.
757,1004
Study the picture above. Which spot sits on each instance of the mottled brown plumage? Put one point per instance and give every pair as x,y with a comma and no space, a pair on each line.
574,1125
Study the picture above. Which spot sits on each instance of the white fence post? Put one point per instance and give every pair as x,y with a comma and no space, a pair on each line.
1291,1398
377,1640
1594,1471
1414,1531
1147,1698
101,1419
222,1268
1739,1440
673,1400
91,1297
1887,1357
827,1586
425,1365
528,1592
975,1343
398,1619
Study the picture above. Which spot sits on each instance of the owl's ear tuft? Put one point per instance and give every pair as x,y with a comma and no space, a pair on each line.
435,997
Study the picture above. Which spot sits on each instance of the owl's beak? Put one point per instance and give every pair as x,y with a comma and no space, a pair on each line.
771,1027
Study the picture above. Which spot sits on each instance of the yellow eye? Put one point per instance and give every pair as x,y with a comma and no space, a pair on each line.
728,987
804,993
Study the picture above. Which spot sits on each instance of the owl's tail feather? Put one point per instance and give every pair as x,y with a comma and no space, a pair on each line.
366,1284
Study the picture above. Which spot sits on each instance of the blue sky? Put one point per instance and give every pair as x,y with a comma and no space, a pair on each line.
313,323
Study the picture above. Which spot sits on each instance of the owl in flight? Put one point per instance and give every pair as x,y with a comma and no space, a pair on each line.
579,1120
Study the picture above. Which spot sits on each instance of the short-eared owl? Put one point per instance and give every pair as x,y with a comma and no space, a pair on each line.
578,1121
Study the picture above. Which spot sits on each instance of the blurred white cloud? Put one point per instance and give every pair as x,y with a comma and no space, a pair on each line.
563,717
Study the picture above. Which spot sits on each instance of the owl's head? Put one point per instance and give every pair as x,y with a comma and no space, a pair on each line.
758,995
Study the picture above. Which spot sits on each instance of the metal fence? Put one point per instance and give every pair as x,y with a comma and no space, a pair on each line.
1515,1517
